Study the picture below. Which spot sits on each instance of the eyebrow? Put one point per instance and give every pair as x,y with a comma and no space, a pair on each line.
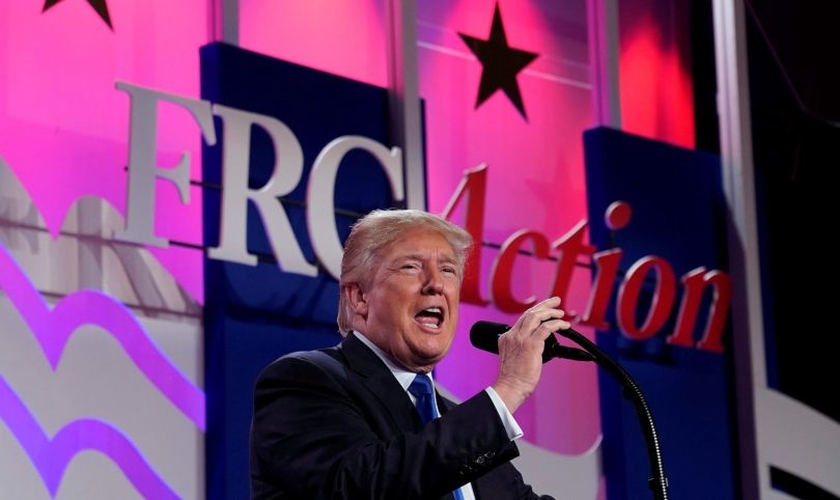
415,255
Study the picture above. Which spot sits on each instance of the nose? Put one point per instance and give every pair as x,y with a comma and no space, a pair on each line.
433,285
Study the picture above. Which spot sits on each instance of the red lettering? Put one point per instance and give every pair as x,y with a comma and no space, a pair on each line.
468,201
473,186
606,265
661,303
570,246
695,283
502,275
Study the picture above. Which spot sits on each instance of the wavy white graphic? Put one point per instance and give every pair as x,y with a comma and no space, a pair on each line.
51,455
83,376
53,327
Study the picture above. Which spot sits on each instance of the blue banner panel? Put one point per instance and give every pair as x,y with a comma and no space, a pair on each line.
678,215
256,313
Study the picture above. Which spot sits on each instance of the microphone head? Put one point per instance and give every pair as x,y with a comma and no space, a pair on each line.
485,335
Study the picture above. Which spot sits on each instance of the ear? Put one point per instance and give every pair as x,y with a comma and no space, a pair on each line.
356,298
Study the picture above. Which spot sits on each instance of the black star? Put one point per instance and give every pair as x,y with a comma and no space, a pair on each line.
501,63
99,6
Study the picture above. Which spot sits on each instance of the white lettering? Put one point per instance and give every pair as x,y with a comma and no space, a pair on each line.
320,216
142,169
287,173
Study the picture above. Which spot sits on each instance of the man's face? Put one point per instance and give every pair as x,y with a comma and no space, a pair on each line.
412,302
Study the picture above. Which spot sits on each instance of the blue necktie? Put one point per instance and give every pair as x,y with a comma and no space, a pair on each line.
421,389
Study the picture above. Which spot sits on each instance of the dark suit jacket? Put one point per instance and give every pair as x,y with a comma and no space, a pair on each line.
335,424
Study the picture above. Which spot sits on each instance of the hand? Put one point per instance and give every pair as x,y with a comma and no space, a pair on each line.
521,348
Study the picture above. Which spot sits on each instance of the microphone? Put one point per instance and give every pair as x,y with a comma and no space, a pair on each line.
485,336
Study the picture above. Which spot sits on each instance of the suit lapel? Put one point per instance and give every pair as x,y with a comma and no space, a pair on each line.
380,382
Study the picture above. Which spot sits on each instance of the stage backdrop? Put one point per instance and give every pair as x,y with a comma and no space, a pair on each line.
129,348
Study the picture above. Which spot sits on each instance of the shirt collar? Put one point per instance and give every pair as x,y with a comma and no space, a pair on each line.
403,376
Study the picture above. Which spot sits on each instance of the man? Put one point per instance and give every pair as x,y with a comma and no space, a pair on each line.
338,423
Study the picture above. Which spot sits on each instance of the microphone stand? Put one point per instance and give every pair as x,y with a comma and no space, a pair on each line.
658,483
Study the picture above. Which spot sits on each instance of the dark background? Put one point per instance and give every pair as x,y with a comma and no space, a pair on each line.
794,110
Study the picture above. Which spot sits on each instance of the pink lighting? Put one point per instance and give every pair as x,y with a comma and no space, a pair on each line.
64,125
348,39
655,72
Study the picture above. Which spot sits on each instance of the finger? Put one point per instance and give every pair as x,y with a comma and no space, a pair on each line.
551,302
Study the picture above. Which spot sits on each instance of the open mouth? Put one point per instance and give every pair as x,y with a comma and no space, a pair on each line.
431,317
